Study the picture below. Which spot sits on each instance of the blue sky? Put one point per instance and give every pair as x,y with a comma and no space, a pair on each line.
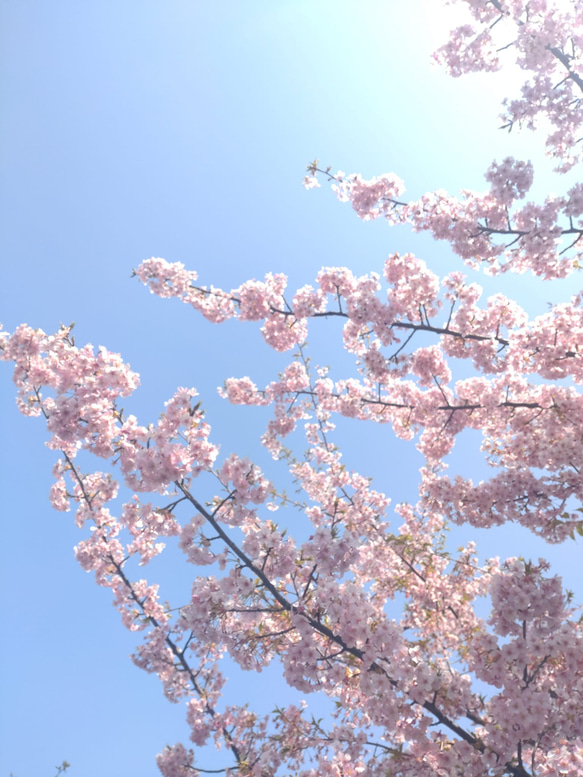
182,129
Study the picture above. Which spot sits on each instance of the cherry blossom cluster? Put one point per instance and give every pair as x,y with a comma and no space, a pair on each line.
81,389
530,609
546,39
321,606
527,426
482,228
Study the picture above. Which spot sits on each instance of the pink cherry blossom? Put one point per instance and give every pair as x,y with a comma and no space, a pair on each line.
363,604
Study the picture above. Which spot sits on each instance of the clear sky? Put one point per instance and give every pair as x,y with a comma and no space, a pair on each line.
182,129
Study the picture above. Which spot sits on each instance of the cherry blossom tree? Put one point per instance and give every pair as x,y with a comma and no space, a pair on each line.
408,692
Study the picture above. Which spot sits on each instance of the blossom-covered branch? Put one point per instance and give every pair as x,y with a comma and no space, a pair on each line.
547,40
